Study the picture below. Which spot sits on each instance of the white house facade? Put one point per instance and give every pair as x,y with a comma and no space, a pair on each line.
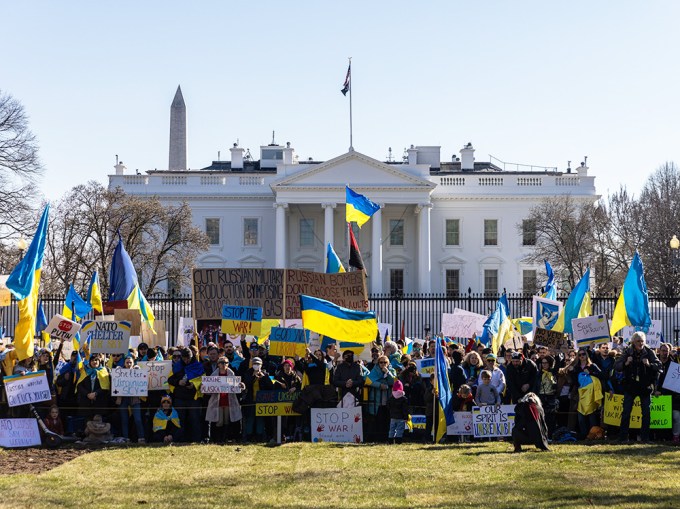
442,227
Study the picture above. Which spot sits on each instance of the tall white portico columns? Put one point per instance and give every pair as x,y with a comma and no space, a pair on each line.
375,273
281,235
424,257
328,233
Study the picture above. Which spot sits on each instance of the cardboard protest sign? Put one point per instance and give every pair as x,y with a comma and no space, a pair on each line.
27,389
129,382
661,411
274,403
654,334
337,425
107,337
19,433
130,315
590,330
425,367
185,332
515,342
276,291
549,338
221,384
66,348
156,337
61,327
157,373
241,320
545,313
288,342
462,324
462,424
492,421
672,380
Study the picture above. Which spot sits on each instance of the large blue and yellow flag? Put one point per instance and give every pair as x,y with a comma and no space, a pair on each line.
329,319
333,263
498,326
444,393
550,286
24,282
358,208
94,294
632,308
125,286
578,305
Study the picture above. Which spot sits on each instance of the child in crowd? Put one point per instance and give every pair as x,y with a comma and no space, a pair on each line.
463,401
398,407
486,393
166,424
53,421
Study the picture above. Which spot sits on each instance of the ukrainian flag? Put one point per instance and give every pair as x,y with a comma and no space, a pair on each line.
94,294
578,305
632,308
24,282
358,208
329,319
550,286
444,393
41,324
524,325
125,286
82,308
333,263
498,326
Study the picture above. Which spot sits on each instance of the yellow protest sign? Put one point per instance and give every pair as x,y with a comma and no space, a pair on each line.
660,411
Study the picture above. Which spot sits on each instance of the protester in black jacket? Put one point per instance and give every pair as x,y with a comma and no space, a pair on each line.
521,376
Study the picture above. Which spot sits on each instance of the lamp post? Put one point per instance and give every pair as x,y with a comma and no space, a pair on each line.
22,245
674,244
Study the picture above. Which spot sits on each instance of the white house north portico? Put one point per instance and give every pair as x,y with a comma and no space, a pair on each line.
443,226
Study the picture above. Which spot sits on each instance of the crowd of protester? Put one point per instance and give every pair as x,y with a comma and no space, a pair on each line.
569,383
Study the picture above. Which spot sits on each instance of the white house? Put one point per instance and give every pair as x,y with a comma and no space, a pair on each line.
442,227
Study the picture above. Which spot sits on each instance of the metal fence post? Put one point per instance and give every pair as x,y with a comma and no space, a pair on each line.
173,307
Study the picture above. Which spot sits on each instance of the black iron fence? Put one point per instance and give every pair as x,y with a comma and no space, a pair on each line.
417,312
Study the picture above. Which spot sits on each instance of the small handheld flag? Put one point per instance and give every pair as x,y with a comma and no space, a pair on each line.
333,263
355,258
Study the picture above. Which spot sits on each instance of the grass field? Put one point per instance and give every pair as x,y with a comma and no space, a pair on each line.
355,476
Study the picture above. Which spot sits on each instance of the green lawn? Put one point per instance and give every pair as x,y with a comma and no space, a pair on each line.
354,476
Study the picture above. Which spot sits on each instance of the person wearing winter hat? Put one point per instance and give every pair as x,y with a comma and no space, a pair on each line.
398,406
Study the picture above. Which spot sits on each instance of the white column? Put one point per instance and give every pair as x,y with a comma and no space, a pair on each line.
375,275
328,234
281,248
424,262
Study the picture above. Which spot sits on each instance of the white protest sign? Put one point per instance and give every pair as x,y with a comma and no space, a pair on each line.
462,424
185,331
129,382
19,433
462,324
385,329
492,421
107,337
425,367
590,330
653,335
61,327
672,380
337,425
220,384
66,349
27,389
158,373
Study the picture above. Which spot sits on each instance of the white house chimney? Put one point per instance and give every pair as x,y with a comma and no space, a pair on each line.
412,156
583,169
120,168
288,154
467,158
236,157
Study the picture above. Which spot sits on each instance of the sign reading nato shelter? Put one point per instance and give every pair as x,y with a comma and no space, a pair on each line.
276,291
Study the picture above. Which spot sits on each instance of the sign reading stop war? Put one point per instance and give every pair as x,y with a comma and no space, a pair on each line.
241,320
158,373
276,291
107,337
62,328
27,389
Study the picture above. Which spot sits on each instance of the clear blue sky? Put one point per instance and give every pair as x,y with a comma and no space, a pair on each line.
533,81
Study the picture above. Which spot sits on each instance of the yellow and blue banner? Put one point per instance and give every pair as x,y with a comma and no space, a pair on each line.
498,326
286,342
241,320
24,283
578,305
333,263
124,284
328,319
358,208
94,294
550,285
632,307
444,393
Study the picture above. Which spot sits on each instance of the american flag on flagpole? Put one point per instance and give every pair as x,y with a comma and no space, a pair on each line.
348,80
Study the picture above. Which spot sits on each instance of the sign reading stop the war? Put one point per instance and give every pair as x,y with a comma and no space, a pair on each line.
62,328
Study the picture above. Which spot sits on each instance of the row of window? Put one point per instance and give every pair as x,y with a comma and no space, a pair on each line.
251,231
452,277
